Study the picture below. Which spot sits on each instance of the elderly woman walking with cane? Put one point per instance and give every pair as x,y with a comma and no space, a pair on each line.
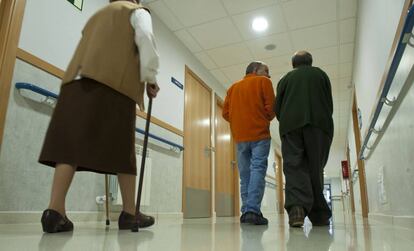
93,125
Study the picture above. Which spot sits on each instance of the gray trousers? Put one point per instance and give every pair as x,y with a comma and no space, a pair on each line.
305,153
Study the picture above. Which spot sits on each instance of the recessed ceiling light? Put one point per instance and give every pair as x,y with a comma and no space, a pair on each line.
259,24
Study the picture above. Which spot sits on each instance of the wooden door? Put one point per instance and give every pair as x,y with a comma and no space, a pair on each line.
225,168
197,143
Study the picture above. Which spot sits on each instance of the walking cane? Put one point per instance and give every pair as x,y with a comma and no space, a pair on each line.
141,175
107,199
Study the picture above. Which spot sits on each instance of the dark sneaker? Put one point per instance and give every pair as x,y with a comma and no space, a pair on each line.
255,219
53,222
243,218
296,216
126,220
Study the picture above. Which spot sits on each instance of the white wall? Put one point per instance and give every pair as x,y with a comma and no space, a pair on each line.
393,156
52,29
376,27
25,184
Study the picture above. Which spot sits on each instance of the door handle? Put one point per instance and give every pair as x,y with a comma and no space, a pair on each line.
233,164
208,150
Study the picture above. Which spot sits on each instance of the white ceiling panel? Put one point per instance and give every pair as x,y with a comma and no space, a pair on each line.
331,70
345,70
235,72
273,15
305,13
215,34
325,56
230,55
188,40
280,70
343,104
281,41
276,76
345,83
346,53
347,8
278,67
315,37
193,12
347,30
219,75
344,96
239,6
205,60
162,11
280,62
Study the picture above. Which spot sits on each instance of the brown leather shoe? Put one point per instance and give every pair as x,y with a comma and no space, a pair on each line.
296,216
53,222
126,220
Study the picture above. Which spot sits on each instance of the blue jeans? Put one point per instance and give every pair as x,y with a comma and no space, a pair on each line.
252,162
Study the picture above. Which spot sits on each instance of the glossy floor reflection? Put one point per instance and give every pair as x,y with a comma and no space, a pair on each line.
346,233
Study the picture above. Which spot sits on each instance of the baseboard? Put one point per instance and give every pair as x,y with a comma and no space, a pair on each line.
381,217
402,221
11,217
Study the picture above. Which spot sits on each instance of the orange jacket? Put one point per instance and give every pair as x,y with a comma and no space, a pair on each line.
249,108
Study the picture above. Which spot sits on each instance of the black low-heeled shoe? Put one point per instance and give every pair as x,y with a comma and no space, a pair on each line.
54,222
126,220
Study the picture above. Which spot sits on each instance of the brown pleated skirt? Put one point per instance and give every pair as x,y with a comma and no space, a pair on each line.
92,128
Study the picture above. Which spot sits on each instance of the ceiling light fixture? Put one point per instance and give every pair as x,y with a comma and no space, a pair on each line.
259,24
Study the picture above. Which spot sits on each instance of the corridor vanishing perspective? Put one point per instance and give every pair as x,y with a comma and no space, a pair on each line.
266,118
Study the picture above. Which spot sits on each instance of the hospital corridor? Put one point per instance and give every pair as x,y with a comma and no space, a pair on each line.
207,125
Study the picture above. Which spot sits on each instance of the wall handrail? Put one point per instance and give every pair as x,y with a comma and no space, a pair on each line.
48,94
174,145
394,102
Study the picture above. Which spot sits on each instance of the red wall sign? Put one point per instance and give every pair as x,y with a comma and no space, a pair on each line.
345,169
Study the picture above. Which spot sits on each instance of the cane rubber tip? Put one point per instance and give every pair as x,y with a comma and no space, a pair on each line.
135,228
107,222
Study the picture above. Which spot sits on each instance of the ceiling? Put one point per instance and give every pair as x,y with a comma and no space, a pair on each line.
219,34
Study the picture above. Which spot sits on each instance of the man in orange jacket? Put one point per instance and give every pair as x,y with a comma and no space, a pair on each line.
248,108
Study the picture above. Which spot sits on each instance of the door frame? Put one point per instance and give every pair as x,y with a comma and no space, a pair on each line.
279,179
188,71
236,197
11,19
360,162
350,180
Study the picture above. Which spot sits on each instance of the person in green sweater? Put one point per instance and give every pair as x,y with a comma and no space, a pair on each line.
304,110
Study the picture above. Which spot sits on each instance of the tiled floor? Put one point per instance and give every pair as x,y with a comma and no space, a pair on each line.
226,234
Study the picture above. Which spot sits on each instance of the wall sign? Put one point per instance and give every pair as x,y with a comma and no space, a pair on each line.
177,83
77,3
345,169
